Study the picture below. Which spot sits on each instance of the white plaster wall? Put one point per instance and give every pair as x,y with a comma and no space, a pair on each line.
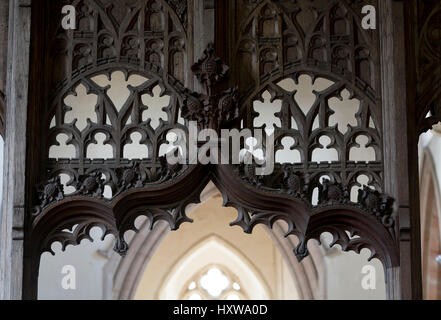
88,259
345,274
254,259
434,146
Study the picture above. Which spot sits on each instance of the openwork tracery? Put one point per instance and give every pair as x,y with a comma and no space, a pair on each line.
280,42
214,283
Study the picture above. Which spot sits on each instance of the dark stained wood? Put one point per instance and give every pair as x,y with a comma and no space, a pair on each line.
14,188
4,20
401,156
426,15
163,193
263,42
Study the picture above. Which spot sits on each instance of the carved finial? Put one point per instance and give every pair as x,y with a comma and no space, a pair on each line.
211,110
210,69
121,247
301,251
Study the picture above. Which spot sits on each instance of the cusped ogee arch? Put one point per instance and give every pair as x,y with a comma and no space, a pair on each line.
122,276
168,202
365,231
430,225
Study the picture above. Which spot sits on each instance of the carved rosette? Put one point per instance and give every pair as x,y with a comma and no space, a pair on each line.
91,185
131,177
49,192
169,171
333,193
249,174
296,182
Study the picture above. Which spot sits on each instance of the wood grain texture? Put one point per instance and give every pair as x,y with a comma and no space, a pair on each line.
14,203
401,155
4,20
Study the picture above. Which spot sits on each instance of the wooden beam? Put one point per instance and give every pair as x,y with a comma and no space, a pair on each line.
400,153
4,20
13,211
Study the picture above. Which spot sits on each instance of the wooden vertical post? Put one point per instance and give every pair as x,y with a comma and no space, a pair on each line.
4,20
401,145
13,211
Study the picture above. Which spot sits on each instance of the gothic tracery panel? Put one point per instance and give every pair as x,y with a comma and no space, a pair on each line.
113,93
286,40
144,43
111,124
146,34
281,37
281,45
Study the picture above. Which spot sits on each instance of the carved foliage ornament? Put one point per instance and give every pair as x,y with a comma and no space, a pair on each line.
330,193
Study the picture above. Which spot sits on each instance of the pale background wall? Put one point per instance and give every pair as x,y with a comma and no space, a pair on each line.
431,142
430,195
343,275
211,219
343,269
88,262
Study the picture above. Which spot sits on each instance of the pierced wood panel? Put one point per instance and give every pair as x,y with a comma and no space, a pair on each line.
147,42
146,34
144,39
278,42
274,38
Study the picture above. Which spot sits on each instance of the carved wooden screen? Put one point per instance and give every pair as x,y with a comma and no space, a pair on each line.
275,41
146,38
265,42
